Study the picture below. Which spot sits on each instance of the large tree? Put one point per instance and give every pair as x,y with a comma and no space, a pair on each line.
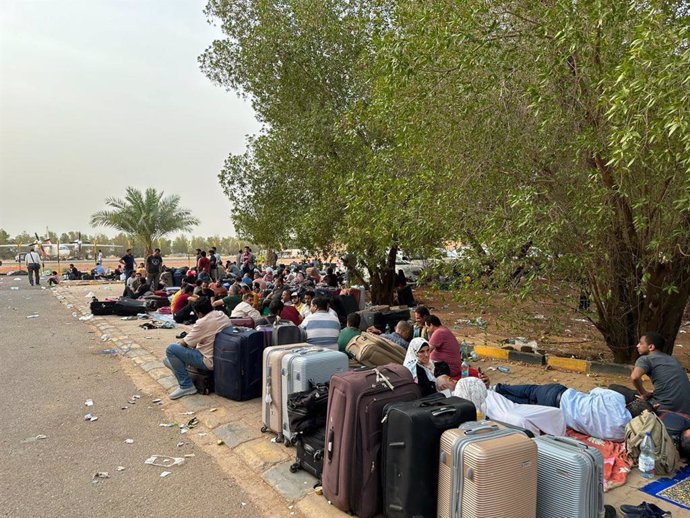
319,176
145,216
564,124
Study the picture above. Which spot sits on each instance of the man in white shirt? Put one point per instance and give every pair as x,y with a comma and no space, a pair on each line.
196,349
245,309
33,266
321,327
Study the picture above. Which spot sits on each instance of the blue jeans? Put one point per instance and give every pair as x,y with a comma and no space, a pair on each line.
179,357
546,395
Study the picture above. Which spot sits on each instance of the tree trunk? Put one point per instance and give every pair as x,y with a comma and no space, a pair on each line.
382,279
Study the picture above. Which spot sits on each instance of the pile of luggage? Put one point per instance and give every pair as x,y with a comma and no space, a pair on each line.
124,306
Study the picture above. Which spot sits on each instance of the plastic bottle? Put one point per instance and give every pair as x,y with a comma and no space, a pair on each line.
465,370
647,457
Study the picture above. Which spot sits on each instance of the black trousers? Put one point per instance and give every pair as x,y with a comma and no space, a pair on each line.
33,269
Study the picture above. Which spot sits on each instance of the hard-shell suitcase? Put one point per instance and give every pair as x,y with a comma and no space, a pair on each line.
395,314
243,322
303,367
372,317
356,400
202,379
310,448
285,333
487,471
237,363
267,331
372,350
411,437
272,388
570,481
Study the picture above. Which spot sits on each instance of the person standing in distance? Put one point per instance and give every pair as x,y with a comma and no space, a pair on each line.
33,266
99,258
153,269
128,261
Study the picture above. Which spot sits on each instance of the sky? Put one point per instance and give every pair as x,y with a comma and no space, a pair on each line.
98,95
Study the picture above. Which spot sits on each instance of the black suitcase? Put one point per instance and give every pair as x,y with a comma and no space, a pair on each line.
157,302
102,307
350,304
127,307
202,379
237,362
370,318
393,317
310,448
411,441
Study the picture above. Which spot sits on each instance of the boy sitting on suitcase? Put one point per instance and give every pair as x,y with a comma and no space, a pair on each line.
195,349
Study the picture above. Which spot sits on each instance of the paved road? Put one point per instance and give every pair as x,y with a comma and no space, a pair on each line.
50,366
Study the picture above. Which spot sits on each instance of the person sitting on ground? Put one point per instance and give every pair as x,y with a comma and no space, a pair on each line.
98,271
73,274
419,363
54,278
421,313
331,279
196,348
602,413
232,268
444,345
297,302
131,284
321,327
181,307
219,290
245,309
350,331
259,282
286,312
671,385
231,301
401,335
305,309
142,288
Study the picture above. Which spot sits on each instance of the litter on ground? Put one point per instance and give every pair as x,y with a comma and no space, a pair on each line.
90,418
164,461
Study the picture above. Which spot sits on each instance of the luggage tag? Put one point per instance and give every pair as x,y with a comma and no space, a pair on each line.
380,378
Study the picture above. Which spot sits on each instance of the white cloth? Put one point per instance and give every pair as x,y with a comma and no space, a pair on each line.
411,358
601,413
471,389
535,418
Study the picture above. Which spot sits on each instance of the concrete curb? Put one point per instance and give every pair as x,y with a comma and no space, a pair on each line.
532,358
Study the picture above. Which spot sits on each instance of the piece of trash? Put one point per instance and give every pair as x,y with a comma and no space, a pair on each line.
156,401
89,402
121,468
32,316
166,473
15,288
185,413
70,306
539,317
124,407
129,318
275,440
166,425
180,444
243,503
136,396
132,401
100,474
90,417
189,455
105,338
193,422
184,429
38,437
87,317
89,295
212,409
504,370
202,434
129,441
164,461
220,442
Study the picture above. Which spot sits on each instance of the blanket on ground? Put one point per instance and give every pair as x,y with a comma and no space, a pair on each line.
616,465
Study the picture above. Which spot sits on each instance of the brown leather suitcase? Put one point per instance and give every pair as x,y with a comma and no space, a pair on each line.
351,465
372,350
487,471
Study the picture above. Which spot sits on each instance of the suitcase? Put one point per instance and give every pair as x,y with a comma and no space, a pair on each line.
157,302
125,307
372,350
309,455
272,388
285,333
303,367
237,363
394,315
356,400
243,322
267,332
358,293
570,482
370,317
487,471
102,307
350,304
409,464
203,380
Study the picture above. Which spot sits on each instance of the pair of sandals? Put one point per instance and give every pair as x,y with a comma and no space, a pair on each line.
644,510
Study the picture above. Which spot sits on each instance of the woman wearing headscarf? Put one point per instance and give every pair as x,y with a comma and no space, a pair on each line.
424,370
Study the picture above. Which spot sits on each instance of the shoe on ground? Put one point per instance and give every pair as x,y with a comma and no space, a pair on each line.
610,512
166,362
644,510
181,392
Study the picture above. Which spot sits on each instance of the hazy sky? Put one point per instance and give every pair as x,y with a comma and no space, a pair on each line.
96,95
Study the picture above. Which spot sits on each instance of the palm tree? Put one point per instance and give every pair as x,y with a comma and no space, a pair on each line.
146,216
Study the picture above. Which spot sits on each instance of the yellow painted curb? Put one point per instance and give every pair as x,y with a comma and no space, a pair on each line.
491,352
568,364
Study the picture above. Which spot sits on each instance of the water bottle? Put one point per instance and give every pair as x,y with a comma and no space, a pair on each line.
465,370
647,456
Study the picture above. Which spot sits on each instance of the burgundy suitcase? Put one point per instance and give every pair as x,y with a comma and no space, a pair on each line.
354,433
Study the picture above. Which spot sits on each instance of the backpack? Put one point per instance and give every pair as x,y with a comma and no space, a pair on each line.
667,458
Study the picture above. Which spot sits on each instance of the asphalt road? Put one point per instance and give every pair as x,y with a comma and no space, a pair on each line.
50,366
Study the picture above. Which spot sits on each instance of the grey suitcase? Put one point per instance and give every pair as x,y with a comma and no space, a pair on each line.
302,366
570,482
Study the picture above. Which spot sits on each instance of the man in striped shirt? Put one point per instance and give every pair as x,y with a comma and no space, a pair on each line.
322,328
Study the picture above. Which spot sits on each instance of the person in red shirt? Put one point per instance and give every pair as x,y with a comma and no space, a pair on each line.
181,308
444,345
285,312
204,267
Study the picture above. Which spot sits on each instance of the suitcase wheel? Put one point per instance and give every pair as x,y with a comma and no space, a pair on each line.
293,441
294,468
264,429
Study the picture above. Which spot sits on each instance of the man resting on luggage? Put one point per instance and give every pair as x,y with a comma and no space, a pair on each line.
602,413
195,349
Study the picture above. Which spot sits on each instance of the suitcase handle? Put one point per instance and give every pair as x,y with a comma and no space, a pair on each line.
329,443
444,410
485,428
572,442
